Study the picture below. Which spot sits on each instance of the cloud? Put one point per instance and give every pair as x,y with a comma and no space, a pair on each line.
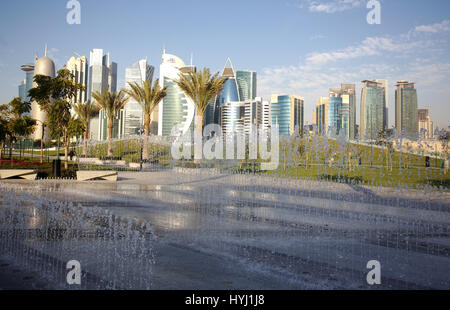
435,28
330,6
368,47
400,57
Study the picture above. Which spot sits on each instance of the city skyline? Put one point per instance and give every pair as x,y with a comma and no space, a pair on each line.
319,59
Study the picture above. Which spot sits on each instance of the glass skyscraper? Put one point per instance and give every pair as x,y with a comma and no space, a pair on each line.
373,110
406,115
287,111
102,74
176,109
230,93
342,111
246,81
27,83
133,113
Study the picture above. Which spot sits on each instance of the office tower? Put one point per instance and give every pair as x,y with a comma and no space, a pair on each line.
342,111
102,74
257,114
27,83
386,101
426,126
406,113
79,68
44,66
321,115
176,109
133,113
287,111
246,81
373,110
229,93
313,120
232,117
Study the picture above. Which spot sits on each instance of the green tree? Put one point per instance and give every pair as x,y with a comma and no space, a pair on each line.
111,103
53,96
5,115
148,97
201,87
20,126
85,111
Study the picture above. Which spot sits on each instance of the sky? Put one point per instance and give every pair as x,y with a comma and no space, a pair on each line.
301,47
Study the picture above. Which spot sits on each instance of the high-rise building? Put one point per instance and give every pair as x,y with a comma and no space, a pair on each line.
246,81
102,75
386,101
406,113
79,68
426,126
321,115
342,111
373,110
176,109
232,117
257,113
133,113
229,93
27,83
287,111
44,66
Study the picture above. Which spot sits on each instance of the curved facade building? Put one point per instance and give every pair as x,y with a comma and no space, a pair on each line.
287,111
44,66
230,93
176,109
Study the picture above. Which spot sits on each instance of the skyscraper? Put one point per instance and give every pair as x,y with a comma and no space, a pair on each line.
321,115
406,109
246,81
44,66
27,83
342,111
426,126
176,109
102,74
79,68
133,114
287,111
373,110
386,101
229,93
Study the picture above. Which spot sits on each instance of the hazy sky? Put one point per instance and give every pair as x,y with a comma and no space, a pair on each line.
300,47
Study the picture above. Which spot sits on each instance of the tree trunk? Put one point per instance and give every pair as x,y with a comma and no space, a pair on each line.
85,135
66,153
198,137
110,134
1,149
147,122
42,151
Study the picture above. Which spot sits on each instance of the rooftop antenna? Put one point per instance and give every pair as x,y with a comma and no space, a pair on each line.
192,56
45,53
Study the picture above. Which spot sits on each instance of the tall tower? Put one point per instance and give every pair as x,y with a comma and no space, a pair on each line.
79,68
373,112
27,83
133,114
342,110
102,74
406,113
176,109
44,66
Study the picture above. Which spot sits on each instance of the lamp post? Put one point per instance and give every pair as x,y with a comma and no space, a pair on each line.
141,131
42,140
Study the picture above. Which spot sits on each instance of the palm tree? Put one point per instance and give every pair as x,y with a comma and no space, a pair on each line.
148,98
111,103
201,87
86,111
